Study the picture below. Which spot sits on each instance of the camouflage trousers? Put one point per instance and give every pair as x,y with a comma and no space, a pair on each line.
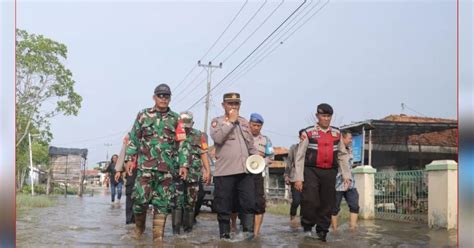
153,187
186,194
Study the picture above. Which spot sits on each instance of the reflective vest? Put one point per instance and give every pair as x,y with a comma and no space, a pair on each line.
322,147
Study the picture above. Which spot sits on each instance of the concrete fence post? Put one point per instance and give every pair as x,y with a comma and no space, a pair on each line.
364,181
442,193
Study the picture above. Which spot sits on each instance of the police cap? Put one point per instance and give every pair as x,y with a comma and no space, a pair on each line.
231,97
324,108
162,89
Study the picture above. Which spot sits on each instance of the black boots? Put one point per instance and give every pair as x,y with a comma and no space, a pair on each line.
176,219
248,222
188,220
224,230
322,235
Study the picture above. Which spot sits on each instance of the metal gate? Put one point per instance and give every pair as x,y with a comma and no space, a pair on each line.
401,195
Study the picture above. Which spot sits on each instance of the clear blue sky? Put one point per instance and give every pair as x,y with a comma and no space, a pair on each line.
364,58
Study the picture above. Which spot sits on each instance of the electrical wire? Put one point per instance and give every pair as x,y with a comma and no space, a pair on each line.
263,42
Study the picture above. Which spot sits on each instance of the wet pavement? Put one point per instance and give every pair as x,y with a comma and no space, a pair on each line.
92,221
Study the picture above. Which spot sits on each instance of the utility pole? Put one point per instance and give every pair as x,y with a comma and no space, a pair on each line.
107,145
31,165
31,162
209,68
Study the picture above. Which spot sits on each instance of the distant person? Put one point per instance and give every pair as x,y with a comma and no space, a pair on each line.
234,144
290,178
348,191
318,158
115,186
157,138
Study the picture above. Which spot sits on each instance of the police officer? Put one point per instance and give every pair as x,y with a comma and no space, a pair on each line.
264,146
290,178
157,138
318,158
186,192
234,144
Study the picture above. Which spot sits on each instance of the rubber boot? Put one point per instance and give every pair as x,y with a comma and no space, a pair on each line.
188,220
140,220
176,220
159,222
224,230
248,225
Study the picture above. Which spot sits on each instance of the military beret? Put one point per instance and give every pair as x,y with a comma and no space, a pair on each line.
324,108
231,97
162,89
255,117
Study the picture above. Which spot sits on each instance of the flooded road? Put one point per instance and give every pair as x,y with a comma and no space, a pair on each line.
93,221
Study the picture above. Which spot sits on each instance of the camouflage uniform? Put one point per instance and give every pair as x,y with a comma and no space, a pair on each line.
186,192
157,140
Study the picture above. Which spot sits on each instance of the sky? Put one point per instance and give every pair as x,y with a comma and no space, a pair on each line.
365,58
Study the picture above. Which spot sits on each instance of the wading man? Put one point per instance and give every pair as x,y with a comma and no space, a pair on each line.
187,190
317,162
234,144
157,138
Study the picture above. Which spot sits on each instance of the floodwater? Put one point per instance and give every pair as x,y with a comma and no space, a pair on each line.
92,221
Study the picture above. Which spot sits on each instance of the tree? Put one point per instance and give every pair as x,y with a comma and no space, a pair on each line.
44,89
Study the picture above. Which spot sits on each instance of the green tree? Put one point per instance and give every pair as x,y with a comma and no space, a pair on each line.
44,89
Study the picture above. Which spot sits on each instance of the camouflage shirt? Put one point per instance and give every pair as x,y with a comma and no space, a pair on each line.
157,138
198,146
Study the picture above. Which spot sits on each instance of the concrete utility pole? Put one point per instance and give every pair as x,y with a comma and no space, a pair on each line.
209,68
107,145
31,163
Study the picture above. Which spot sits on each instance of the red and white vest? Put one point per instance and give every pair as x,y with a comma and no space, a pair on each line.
322,147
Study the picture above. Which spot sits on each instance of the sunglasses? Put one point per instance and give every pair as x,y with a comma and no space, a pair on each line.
163,96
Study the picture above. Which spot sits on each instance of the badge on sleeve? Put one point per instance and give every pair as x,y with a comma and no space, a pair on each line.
214,124
334,134
203,143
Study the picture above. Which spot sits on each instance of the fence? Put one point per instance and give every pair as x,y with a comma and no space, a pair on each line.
401,195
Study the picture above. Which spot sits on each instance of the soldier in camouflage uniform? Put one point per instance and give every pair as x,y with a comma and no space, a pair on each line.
158,139
186,190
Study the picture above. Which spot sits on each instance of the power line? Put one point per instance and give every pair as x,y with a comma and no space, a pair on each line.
240,31
248,68
235,68
261,54
281,30
261,24
215,42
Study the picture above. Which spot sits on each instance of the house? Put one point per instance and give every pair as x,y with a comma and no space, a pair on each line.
68,166
402,142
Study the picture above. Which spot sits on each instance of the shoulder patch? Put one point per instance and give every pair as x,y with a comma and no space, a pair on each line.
214,123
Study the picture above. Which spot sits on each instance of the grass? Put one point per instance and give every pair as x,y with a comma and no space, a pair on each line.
283,208
24,201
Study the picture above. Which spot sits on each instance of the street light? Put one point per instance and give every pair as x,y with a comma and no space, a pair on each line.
31,163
